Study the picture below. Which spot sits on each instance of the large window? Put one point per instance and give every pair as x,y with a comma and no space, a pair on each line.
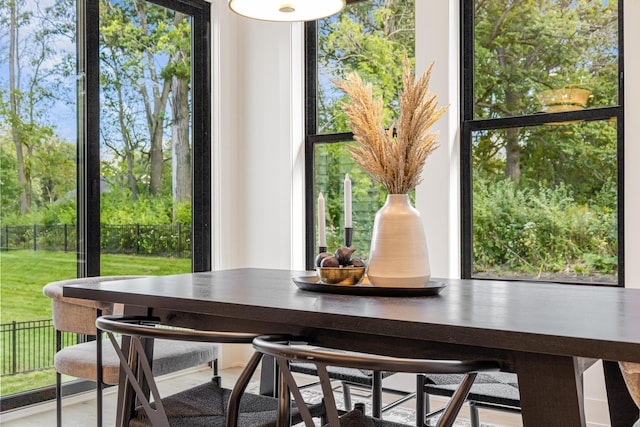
370,38
146,142
104,146
542,140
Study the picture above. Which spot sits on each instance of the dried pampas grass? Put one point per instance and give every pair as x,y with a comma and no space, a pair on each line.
396,162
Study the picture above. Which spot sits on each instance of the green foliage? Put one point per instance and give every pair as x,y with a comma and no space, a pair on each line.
539,229
557,210
182,214
64,212
369,38
332,163
145,48
580,155
10,189
117,208
522,48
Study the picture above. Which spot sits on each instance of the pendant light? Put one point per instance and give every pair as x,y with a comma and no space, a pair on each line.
286,10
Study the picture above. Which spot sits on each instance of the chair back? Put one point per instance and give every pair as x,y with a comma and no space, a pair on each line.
74,314
134,361
295,348
285,349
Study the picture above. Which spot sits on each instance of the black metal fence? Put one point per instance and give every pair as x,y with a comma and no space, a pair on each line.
173,240
29,346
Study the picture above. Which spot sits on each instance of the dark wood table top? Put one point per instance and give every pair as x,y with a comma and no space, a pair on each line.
587,321
546,333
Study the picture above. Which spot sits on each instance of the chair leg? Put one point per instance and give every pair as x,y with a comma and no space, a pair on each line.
58,399
99,373
421,408
456,401
327,392
58,383
139,376
283,418
241,385
376,394
346,393
474,415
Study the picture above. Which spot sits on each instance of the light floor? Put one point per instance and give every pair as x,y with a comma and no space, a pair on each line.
80,410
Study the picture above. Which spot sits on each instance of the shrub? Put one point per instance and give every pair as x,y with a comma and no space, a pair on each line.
539,229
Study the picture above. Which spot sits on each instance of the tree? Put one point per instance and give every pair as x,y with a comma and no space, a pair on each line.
24,178
369,38
146,64
10,194
36,71
179,71
523,47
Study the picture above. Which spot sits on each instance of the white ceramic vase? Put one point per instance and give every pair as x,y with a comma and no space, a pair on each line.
398,256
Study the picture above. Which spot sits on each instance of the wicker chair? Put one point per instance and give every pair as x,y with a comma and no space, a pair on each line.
295,349
94,361
491,390
357,378
204,405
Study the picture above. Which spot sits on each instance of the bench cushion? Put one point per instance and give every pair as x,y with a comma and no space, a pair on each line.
357,376
207,405
498,388
168,356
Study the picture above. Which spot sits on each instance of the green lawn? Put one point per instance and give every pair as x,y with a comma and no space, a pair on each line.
23,274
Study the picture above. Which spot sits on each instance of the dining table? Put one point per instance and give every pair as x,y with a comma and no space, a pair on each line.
547,333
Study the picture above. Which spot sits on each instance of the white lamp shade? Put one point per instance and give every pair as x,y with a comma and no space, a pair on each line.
286,10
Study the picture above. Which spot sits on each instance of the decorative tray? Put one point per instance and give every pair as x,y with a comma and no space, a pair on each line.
311,283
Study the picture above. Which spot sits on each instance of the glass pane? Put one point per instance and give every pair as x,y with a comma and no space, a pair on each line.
145,139
369,38
545,202
37,183
332,162
544,56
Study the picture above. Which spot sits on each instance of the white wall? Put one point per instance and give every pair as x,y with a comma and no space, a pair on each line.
257,147
632,143
437,198
258,159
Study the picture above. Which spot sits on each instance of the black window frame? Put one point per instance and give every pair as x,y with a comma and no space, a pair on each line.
468,125
312,137
89,133
88,155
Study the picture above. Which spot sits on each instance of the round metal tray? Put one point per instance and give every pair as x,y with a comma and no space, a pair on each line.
311,283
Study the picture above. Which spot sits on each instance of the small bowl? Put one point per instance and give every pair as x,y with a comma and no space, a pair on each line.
341,275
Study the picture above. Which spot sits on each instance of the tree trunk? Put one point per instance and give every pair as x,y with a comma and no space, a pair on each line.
128,143
156,112
180,144
16,134
512,146
514,151
156,157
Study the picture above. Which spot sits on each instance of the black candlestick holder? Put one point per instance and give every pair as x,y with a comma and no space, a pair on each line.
348,237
